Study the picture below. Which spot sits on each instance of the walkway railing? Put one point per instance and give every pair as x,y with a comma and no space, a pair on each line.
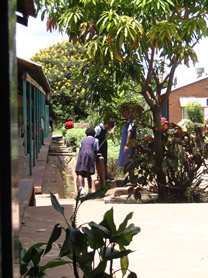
34,107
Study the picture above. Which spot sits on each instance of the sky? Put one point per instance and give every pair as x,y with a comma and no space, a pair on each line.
30,39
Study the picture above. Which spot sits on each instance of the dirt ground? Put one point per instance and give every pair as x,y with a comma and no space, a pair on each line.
50,179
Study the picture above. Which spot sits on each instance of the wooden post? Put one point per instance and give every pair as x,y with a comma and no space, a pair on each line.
102,171
39,112
34,126
46,131
30,128
25,125
37,122
42,112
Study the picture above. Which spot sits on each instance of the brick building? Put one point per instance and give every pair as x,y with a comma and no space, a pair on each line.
196,91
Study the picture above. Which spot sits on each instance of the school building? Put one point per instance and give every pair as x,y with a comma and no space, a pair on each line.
196,91
25,99
33,104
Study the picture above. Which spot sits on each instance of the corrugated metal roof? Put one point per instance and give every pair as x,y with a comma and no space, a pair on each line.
35,71
184,85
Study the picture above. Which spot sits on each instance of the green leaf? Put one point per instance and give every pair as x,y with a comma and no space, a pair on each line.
55,263
124,264
99,270
56,204
23,267
85,261
78,241
54,236
35,272
101,228
66,248
95,239
126,237
98,194
108,222
34,256
132,275
118,254
132,165
22,251
123,225
33,252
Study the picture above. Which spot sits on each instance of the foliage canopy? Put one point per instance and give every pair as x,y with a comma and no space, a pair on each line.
140,41
62,63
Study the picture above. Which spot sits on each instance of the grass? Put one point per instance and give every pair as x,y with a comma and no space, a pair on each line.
113,153
57,131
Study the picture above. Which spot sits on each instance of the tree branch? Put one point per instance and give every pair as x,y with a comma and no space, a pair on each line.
170,82
149,74
148,100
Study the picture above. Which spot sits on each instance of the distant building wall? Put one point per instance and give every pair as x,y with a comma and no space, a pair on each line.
198,89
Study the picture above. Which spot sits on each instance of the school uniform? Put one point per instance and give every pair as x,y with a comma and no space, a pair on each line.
128,126
100,134
86,157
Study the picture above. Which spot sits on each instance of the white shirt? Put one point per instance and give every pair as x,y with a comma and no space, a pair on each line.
42,123
98,129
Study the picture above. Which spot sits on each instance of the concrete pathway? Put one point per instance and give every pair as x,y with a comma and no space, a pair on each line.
37,226
173,241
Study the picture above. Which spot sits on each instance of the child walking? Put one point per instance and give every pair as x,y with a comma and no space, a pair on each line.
85,166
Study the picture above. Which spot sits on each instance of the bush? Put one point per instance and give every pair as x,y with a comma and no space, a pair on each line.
185,154
63,131
113,153
194,112
74,137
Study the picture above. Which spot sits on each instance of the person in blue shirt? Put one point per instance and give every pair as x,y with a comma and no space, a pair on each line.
128,133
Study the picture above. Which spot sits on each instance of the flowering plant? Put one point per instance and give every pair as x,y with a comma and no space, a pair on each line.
61,64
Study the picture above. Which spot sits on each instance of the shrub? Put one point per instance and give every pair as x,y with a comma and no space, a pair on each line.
185,154
113,169
63,131
74,137
194,112
113,153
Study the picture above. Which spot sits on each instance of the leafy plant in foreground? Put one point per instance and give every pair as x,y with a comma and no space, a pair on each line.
30,261
91,247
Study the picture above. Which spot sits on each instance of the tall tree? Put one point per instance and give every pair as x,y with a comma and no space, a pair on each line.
144,40
66,98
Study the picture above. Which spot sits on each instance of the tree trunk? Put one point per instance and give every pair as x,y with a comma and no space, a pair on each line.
159,155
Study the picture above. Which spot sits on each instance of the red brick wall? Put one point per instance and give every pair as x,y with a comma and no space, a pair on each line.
196,89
